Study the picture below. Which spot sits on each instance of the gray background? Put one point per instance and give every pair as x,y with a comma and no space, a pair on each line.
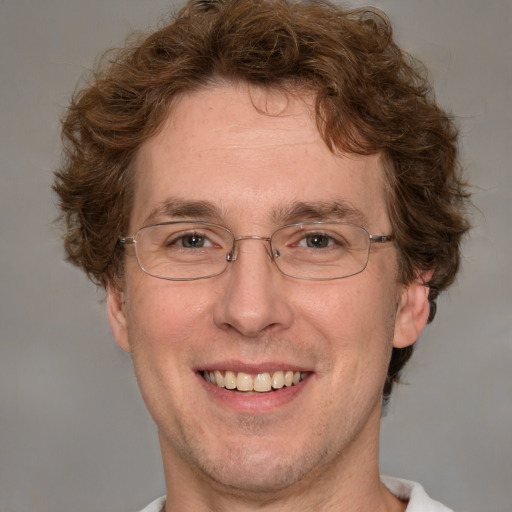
74,434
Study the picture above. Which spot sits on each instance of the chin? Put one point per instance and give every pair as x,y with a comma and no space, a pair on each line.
259,470
259,480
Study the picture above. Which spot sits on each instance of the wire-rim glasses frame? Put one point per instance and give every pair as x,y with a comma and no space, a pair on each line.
320,269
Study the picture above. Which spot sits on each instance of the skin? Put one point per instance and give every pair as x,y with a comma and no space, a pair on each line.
315,448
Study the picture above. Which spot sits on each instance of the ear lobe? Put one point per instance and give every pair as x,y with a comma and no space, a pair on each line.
117,317
413,311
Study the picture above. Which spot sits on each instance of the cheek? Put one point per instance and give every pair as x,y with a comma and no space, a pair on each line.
356,324
162,317
357,306
161,322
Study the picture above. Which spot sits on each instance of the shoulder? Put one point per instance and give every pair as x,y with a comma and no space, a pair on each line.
155,506
419,501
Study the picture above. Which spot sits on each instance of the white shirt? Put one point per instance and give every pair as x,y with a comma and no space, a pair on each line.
155,506
418,499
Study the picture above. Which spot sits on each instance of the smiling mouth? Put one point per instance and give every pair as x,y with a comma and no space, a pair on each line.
261,383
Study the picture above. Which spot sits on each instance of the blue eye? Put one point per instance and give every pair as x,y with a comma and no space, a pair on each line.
192,241
318,241
189,241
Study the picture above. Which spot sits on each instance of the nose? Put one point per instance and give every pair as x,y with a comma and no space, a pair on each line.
253,297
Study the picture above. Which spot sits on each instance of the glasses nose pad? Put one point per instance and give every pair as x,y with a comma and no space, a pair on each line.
232,254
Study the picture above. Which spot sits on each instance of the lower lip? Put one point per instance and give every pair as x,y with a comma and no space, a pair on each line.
254,403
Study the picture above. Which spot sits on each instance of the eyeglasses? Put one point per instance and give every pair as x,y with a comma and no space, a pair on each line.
185,251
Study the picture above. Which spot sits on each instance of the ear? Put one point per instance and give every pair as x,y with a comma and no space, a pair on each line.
117,317
413,311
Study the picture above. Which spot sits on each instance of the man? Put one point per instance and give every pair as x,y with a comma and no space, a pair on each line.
272,200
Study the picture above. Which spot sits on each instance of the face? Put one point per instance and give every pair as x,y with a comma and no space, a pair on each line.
255,172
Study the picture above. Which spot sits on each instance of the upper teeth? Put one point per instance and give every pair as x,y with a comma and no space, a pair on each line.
262,382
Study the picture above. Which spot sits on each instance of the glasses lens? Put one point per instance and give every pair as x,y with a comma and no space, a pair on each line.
183,250
321,250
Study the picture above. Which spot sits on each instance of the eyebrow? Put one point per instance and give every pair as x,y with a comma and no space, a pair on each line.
297,211
338,210
179,208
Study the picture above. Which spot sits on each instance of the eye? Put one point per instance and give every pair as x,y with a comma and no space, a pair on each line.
194,241
190,241
316,241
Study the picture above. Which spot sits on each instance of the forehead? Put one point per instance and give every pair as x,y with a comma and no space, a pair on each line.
249,152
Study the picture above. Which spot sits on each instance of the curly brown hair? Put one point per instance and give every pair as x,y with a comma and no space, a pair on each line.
370,97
